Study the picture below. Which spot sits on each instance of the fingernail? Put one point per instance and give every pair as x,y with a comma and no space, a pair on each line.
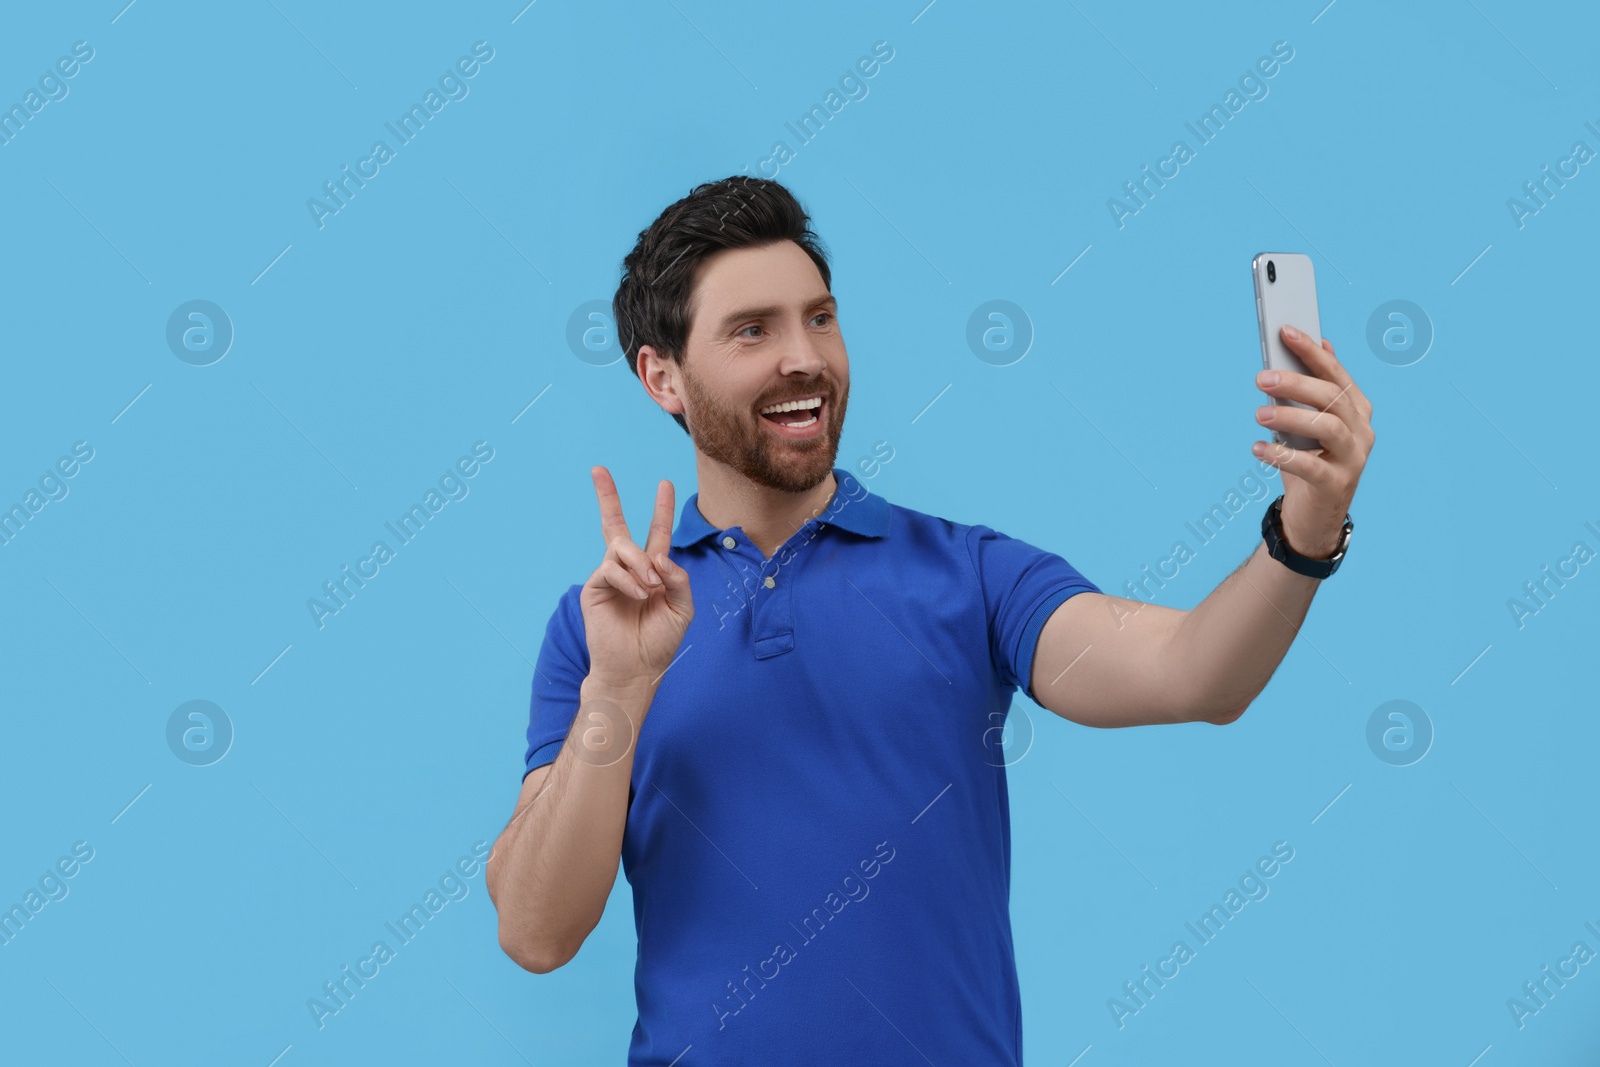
1266,414
655,579
1269,377
1292,333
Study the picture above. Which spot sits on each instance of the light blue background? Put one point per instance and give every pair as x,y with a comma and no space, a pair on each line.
369,354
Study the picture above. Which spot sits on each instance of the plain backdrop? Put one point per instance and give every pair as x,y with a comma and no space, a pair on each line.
373,347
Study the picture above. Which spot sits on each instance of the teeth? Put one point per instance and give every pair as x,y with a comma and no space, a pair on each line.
793,405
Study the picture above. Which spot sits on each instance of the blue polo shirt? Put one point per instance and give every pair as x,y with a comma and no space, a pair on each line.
818,833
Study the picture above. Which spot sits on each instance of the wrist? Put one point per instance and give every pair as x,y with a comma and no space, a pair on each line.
1311,547
1312,556
1313,538
617,690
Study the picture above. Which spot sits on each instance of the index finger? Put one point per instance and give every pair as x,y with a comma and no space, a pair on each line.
611,521
1321,361
661,522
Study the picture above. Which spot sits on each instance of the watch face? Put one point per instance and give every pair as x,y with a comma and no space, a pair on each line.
1344,540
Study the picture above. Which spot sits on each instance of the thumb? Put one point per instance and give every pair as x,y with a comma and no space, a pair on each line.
676,580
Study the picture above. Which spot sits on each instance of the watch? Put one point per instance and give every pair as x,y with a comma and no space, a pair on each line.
1278,546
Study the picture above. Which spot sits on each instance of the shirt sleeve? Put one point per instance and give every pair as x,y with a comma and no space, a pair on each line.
557,680
1021,586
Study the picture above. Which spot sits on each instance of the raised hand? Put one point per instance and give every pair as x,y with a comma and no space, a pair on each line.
1317,485
637,604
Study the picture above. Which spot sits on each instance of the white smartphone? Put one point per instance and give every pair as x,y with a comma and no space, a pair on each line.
1286,295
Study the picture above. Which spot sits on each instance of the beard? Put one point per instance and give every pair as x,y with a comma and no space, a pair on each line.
734,438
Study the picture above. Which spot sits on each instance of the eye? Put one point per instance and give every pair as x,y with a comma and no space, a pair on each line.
823,315
752,326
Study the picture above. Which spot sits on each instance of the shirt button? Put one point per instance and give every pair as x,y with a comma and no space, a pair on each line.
770,582
728,542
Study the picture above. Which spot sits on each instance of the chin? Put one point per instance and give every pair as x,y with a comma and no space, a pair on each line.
794,469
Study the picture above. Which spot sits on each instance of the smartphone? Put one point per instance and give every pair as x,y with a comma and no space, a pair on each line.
1286,295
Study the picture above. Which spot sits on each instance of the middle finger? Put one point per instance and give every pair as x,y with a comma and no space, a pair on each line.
1318,392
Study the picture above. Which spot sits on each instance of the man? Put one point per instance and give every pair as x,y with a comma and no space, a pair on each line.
783,714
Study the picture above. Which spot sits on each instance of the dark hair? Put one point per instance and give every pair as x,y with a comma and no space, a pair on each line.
651,306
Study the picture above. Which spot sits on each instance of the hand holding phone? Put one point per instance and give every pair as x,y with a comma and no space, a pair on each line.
1286,295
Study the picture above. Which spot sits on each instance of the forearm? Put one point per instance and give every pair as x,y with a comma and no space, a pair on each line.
1227,647
557,860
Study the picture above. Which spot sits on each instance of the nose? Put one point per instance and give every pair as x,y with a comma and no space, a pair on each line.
802,355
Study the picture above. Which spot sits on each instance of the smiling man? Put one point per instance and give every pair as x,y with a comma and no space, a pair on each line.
807,794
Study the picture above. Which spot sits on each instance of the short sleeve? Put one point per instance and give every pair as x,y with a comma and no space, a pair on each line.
557,681
1021,586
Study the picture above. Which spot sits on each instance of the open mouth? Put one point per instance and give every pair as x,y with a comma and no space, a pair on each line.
798,419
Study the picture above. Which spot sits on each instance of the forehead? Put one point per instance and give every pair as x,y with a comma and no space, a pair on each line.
779,274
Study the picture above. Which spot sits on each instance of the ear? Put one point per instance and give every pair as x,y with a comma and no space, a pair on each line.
659,376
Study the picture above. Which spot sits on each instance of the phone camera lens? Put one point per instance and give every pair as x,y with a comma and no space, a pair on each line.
1272,271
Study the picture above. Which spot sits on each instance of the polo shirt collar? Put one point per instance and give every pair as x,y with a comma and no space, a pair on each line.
852,508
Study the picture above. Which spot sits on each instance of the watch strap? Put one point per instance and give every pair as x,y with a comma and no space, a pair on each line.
1278,546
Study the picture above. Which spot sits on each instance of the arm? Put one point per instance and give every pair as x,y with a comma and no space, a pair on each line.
1108,661
553,867
551,870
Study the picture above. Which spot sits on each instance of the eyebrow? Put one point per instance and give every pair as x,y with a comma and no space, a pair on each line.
770,310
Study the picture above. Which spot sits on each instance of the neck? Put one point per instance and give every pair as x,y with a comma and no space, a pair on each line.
769,517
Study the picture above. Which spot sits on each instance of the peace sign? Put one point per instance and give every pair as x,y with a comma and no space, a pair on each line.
637,604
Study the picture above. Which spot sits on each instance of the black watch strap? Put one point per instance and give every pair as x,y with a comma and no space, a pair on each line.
1278,546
